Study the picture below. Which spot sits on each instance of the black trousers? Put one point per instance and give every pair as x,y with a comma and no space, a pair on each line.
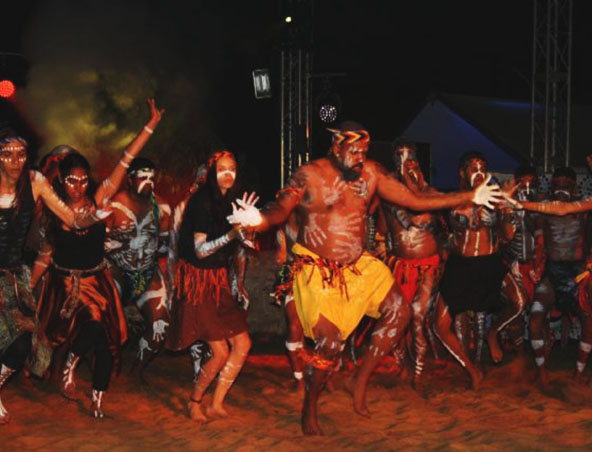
93,336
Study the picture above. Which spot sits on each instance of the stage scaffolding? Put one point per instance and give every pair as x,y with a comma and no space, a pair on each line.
551,84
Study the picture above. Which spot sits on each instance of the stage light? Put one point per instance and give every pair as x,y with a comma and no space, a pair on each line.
328,102
288,19
261,83
7,89
328,113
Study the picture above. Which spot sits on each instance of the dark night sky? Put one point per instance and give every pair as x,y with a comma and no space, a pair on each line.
394,54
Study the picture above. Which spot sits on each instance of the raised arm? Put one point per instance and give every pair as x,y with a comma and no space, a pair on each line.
111,184
558,207
42,189
393,191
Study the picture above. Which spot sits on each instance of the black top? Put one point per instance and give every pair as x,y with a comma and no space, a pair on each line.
206,215
79,249
14,228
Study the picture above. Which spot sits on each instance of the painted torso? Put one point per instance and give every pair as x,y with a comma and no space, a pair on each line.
133,236
474,230
565,237
332,212
412,232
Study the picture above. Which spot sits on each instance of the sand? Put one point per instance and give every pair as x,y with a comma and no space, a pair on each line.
508,413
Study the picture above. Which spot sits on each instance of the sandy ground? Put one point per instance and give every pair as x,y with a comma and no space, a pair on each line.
508,413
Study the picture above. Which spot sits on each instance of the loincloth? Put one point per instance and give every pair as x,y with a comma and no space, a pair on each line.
409,272
342,294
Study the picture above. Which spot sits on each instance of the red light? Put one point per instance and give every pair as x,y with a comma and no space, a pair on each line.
7,88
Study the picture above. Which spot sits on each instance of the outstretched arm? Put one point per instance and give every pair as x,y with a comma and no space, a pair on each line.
42,189
111,184
558,207
393,191
274,213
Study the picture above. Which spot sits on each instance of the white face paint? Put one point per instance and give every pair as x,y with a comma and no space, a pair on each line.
221,174
475,175
146,177
404,156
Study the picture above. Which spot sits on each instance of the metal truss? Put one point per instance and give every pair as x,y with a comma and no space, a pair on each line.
551,83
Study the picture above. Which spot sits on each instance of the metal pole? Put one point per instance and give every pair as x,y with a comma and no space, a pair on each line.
568,113
547,88
282,119
533,84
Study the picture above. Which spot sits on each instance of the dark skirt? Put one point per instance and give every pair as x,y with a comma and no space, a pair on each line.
203,308
473,283
69,299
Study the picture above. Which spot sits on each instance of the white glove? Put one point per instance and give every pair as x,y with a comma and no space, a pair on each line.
248,214
487,195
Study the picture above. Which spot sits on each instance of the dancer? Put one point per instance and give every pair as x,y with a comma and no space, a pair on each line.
565,226
137,235
204,308
527,250
79,303
336,283
20,188
286,237
414,254
199,351
475,277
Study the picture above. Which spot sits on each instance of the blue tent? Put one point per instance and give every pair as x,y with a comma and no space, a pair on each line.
500,129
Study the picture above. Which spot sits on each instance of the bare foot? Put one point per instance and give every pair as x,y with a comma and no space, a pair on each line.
578,378
195,412
494,348
216,412
70,392
476,378
542,378
359,398
419,384
310,424
4,418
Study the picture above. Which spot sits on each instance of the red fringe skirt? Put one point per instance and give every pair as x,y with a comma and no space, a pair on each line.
203,308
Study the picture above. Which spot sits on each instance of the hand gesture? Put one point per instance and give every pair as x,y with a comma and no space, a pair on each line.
155,113
487,195
246,214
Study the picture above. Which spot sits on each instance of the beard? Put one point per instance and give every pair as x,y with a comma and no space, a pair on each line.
348,174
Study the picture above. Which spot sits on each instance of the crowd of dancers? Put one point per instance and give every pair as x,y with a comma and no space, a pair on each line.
354,239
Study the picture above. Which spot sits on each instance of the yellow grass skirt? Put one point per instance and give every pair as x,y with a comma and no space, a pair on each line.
341,294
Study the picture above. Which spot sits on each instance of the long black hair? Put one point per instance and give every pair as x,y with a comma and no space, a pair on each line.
219,206
8,135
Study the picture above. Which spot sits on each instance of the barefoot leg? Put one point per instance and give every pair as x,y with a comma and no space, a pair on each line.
239,349
515,302
295,343
328,346
389,329
443,323
543,300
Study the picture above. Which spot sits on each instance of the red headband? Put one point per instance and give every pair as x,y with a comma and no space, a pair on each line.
217,156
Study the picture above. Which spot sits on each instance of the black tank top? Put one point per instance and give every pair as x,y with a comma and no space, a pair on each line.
14,228
79,249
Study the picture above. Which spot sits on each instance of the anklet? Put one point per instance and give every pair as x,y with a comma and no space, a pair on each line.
191,399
